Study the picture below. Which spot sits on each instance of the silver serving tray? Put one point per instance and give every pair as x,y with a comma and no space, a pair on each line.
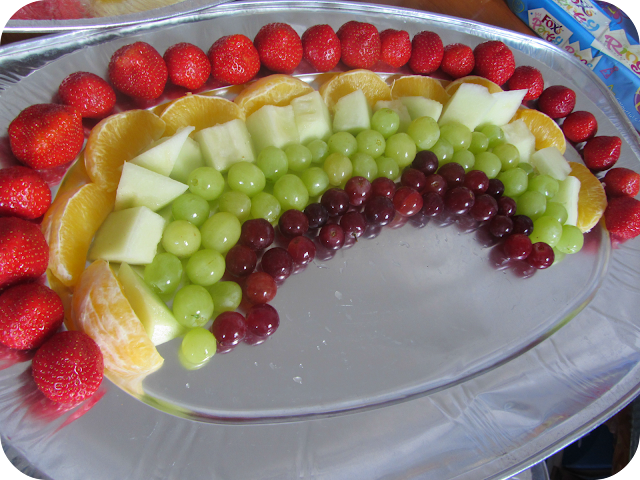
407,356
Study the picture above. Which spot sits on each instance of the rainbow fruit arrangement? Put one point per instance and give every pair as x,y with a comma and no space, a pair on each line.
198,208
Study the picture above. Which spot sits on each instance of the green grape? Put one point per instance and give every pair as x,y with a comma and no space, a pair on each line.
424,131
247,178
315,180
205,267
401,148
558,256
206,182
237,203
479,143
181,238
387,167
264,205
557,211
197,348
532,204
364,166
190,207
545,184
299,157
489,163
226,295
192,306
343,143
571,240
443,150
515,181
457,134
273,162
319,150
385,121
494,134
508,155
164,273
371,142
464,158
339,169
221,231
546,229
526,167
291,192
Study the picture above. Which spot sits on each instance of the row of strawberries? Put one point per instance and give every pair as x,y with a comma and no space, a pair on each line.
48,135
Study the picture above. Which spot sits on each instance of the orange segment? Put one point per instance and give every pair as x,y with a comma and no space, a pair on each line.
419,86
76,176
491,86
371,84
546,131
278,90
118,139
592,201
101,310
198,111
69,226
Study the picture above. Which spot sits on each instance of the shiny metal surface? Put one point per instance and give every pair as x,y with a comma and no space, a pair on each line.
407,356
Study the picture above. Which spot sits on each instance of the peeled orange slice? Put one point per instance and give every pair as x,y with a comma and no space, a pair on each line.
419,86
592,200
491,86
199,111
371,84
76,176
69,226
544,128
101,310
278,90
118,139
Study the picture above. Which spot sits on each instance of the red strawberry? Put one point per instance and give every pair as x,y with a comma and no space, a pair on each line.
494,61
579,126
234,59
279,47
621,182
360,44
69,367
601,153
395,47
24,253
29,314
557,101
139,71
188,65
46,135
458,60
89,93
23,193
427,51
622,218
321,47
529,78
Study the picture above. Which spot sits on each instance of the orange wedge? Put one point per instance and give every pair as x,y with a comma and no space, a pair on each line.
278,90
69,226
419,86
200,111
491,86
101,310
546,131
592,201
371,84
118,139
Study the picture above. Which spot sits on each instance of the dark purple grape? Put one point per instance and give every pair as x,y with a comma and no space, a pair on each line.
316,214
453,173
379,210
262,320
278,263
459,200
336,201
241,260
484,208
257,234
358,189
432,204
476,181
302,250
517,246
541,256
426,162
384,187
506,206
496,188
500,226
522,224
293,223
436,184
413,178
353,224
229,328
331,236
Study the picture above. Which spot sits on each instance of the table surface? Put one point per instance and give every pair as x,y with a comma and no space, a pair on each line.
492,12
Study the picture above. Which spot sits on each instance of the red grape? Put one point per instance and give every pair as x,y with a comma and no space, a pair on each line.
432,204
379,210
501,226
484,208
353,224
522,224
506,206
257,234
278,263
476,181
241,260
414,178
383,186
316,214
541,256
517,246
229,328
453,173
302,250
358,189
293,223
260,287
436,184
425,161
496,188
459,200
331,236
262,320
336,201
407,201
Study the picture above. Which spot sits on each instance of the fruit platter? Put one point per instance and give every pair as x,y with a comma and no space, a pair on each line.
267,249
